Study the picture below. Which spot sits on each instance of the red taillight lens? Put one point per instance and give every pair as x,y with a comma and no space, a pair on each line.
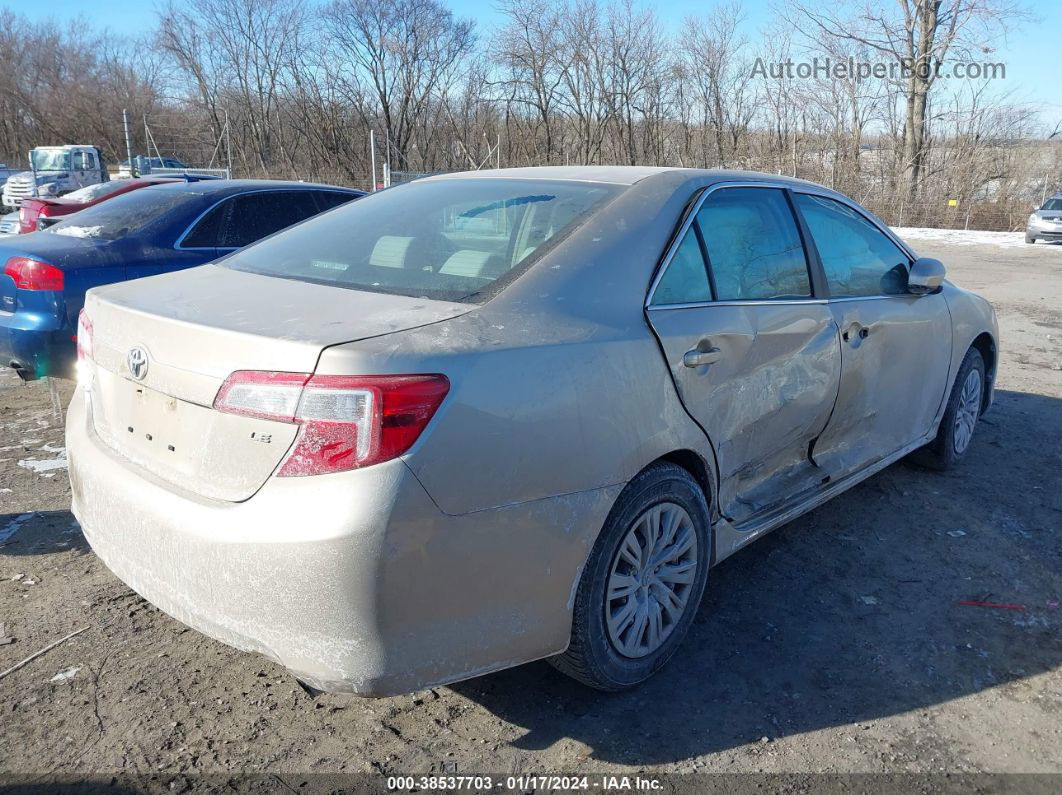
31,274
84,336
346,422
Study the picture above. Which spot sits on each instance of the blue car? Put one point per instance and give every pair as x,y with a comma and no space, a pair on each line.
153,230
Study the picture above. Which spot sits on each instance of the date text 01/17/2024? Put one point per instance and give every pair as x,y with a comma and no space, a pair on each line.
523,783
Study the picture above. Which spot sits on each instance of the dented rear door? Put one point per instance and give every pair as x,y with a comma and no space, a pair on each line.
753,353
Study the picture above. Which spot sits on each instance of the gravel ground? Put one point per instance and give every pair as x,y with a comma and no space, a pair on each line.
836,644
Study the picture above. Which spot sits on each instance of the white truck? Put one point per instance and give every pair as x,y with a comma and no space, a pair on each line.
55,171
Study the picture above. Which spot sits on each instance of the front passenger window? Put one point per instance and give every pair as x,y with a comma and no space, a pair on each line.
858,259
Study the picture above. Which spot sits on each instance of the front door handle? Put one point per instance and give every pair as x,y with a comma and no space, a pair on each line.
698,358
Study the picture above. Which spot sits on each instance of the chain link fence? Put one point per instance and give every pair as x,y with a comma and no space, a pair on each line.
1002,216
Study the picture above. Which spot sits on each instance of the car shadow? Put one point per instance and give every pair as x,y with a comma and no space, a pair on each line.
40,533
848,614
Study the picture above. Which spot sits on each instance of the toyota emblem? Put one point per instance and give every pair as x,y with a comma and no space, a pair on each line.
137,361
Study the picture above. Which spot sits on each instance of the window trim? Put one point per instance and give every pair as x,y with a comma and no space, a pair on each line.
819,285
179,244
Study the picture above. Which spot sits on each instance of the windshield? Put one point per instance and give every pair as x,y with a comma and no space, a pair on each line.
50,160
122,215
446,239
1052,204
94,191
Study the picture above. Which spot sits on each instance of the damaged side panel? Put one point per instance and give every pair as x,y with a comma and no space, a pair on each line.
764,400
895,354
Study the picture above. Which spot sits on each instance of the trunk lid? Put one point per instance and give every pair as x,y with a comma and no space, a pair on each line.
195,328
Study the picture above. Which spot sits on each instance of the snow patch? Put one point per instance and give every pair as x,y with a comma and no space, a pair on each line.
63,676
78,231
969,237
42,465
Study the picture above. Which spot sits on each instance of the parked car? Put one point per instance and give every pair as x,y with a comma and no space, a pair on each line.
56,171
154,230
35,214
9,224
1046,223
147,164
487,418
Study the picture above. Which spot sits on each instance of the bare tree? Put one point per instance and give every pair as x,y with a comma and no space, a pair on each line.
712,47
404,53
918,35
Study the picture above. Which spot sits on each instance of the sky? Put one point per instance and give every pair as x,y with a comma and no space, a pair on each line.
1030,53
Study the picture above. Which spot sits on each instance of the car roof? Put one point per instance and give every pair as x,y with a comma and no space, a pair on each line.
618,175
214,187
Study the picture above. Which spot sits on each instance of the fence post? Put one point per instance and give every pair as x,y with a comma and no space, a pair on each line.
901,213
967,227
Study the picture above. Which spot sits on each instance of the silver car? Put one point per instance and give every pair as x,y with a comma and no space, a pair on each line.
486,418
1046,223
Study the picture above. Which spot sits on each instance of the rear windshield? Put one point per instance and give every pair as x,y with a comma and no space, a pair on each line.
122,215
448,239
95,191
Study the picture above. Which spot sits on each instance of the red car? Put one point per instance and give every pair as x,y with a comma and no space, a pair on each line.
37,213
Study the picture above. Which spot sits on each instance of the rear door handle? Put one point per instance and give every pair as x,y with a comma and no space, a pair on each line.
857,330
697,358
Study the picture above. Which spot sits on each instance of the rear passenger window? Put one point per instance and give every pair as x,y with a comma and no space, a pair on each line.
753,245
859,260
205,232
329,199
685,281
255,215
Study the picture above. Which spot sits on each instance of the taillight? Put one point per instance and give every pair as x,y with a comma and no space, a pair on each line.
32,274
346,422
84,337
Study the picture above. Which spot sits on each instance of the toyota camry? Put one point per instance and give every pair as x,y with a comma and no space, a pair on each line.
486,418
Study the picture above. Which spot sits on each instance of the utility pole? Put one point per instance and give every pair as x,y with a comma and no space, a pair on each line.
372,157
128,142
228,142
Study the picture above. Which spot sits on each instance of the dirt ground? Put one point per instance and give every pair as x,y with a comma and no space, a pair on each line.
835,645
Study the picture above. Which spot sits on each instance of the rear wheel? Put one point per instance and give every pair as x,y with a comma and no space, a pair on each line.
642,583
960,416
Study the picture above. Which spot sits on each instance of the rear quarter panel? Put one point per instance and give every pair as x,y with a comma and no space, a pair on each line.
557,384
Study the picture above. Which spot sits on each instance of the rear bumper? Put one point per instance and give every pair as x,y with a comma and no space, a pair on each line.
35,352
355,581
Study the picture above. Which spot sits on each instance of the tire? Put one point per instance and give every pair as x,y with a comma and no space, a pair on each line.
603,656
953,438
1029,238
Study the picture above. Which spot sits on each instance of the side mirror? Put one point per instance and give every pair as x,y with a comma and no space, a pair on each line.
926,276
